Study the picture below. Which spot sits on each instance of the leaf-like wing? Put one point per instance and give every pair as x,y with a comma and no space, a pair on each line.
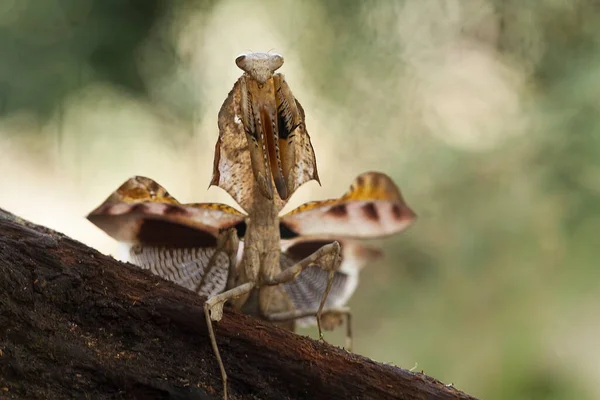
142,212
372,207
184,243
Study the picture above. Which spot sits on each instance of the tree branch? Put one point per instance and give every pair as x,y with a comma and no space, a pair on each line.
77,324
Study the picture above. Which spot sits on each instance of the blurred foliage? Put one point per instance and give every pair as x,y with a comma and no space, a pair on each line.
486,112
63,45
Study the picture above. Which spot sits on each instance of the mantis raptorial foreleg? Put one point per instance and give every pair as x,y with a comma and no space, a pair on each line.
328,258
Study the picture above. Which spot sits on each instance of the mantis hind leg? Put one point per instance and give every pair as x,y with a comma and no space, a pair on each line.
331,319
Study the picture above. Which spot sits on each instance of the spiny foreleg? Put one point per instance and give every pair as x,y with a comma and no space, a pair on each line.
328,258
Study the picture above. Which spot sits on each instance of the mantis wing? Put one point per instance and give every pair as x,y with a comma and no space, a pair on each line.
373,207
183,243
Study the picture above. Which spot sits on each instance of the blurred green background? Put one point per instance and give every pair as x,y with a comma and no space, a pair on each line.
485,112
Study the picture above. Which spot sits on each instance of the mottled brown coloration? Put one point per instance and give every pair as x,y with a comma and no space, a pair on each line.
262,115
262,144
142,217
263,154
262,139
367,186
369,209
142,202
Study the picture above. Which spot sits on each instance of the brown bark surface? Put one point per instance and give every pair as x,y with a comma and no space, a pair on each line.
77,324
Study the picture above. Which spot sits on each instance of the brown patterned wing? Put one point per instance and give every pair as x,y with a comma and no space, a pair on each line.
204,270
142,211
263,144
179,242
373,207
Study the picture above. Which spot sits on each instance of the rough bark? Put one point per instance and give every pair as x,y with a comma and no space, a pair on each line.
77,324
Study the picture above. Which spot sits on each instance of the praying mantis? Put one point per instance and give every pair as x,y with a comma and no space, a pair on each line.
287,268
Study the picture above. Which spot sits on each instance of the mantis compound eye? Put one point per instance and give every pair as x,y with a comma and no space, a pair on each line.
240,61
275,62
